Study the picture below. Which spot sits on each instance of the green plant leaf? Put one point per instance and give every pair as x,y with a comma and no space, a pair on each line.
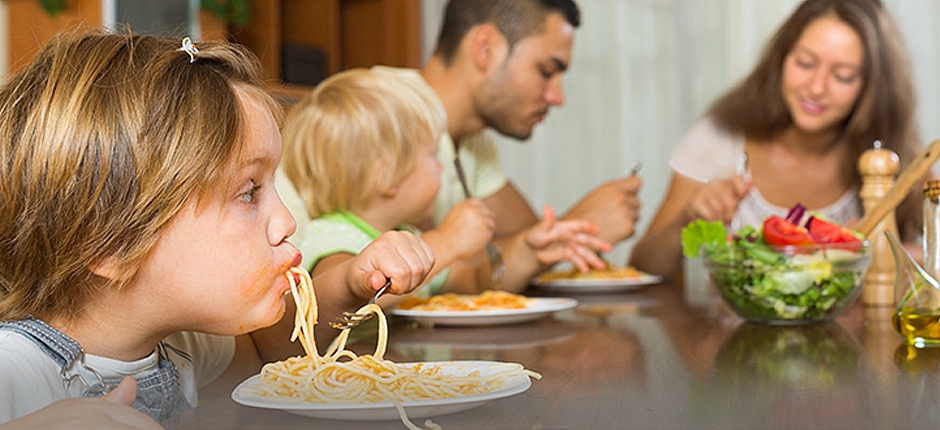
237,12
53,7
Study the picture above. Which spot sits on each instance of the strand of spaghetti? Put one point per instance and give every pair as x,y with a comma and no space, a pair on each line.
339,346
411,426
306,315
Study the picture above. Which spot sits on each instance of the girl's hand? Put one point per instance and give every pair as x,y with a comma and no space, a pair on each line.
400,256
468,227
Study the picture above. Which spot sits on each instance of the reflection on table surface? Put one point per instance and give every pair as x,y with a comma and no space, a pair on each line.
652,358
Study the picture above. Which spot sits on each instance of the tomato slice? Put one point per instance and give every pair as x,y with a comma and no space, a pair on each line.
780,232
823,231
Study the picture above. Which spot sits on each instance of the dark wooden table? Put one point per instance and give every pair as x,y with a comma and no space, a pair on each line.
662,357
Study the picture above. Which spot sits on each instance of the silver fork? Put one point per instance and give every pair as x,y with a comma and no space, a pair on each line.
635,168
493,254
352,319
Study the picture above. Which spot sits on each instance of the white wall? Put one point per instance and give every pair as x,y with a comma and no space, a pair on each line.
644,70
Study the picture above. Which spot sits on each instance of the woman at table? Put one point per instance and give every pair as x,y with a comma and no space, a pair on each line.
832,80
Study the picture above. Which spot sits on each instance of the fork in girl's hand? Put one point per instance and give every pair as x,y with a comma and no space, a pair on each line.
352,319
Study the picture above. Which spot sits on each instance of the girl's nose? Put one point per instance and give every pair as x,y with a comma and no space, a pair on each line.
282,224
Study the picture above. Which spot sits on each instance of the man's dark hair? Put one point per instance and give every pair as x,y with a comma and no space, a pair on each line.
515,19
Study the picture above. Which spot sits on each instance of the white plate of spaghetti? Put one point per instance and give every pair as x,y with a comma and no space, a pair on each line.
613,278
518,383
343,385
535,308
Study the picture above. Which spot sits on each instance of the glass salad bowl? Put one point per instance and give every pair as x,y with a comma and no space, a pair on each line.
794,284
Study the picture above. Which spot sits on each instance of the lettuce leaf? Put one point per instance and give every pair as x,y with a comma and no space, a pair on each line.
701,232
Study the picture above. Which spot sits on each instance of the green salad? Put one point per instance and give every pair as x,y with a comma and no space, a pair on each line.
778,281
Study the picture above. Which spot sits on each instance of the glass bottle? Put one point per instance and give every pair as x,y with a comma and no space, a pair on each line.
932,228
916,289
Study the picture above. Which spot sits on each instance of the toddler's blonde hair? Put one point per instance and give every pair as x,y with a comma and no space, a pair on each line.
336,135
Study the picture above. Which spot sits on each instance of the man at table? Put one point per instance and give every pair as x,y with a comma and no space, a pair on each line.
499,64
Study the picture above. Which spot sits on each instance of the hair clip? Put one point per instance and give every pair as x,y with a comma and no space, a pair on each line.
189,48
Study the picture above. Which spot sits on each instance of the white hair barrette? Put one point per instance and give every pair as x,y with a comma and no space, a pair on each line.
189,48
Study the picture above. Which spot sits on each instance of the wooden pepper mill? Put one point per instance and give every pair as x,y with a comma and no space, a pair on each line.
878,167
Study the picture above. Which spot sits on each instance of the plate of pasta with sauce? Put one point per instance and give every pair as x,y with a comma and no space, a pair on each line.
342,385
611,278
487,308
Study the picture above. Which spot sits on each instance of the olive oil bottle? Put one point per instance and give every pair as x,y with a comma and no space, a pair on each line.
918,328
916,289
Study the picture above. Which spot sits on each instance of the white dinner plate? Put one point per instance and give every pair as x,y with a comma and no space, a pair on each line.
598,285
386,410
537,308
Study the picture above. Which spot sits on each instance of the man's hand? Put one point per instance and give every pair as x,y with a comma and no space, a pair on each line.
552,241
613,207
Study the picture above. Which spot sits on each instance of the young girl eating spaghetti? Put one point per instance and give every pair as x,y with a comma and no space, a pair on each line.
141,232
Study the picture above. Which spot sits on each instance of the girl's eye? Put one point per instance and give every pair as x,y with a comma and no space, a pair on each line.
249,195
546,74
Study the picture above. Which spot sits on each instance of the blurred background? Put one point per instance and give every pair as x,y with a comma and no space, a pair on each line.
642,70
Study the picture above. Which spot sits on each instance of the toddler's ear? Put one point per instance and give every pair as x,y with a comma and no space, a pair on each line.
111,268
388,190
383,183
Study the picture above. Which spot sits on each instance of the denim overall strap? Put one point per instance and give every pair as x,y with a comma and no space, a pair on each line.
61,348
158,393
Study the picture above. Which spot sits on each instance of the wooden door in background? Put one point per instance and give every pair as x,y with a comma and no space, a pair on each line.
30,27
347,33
